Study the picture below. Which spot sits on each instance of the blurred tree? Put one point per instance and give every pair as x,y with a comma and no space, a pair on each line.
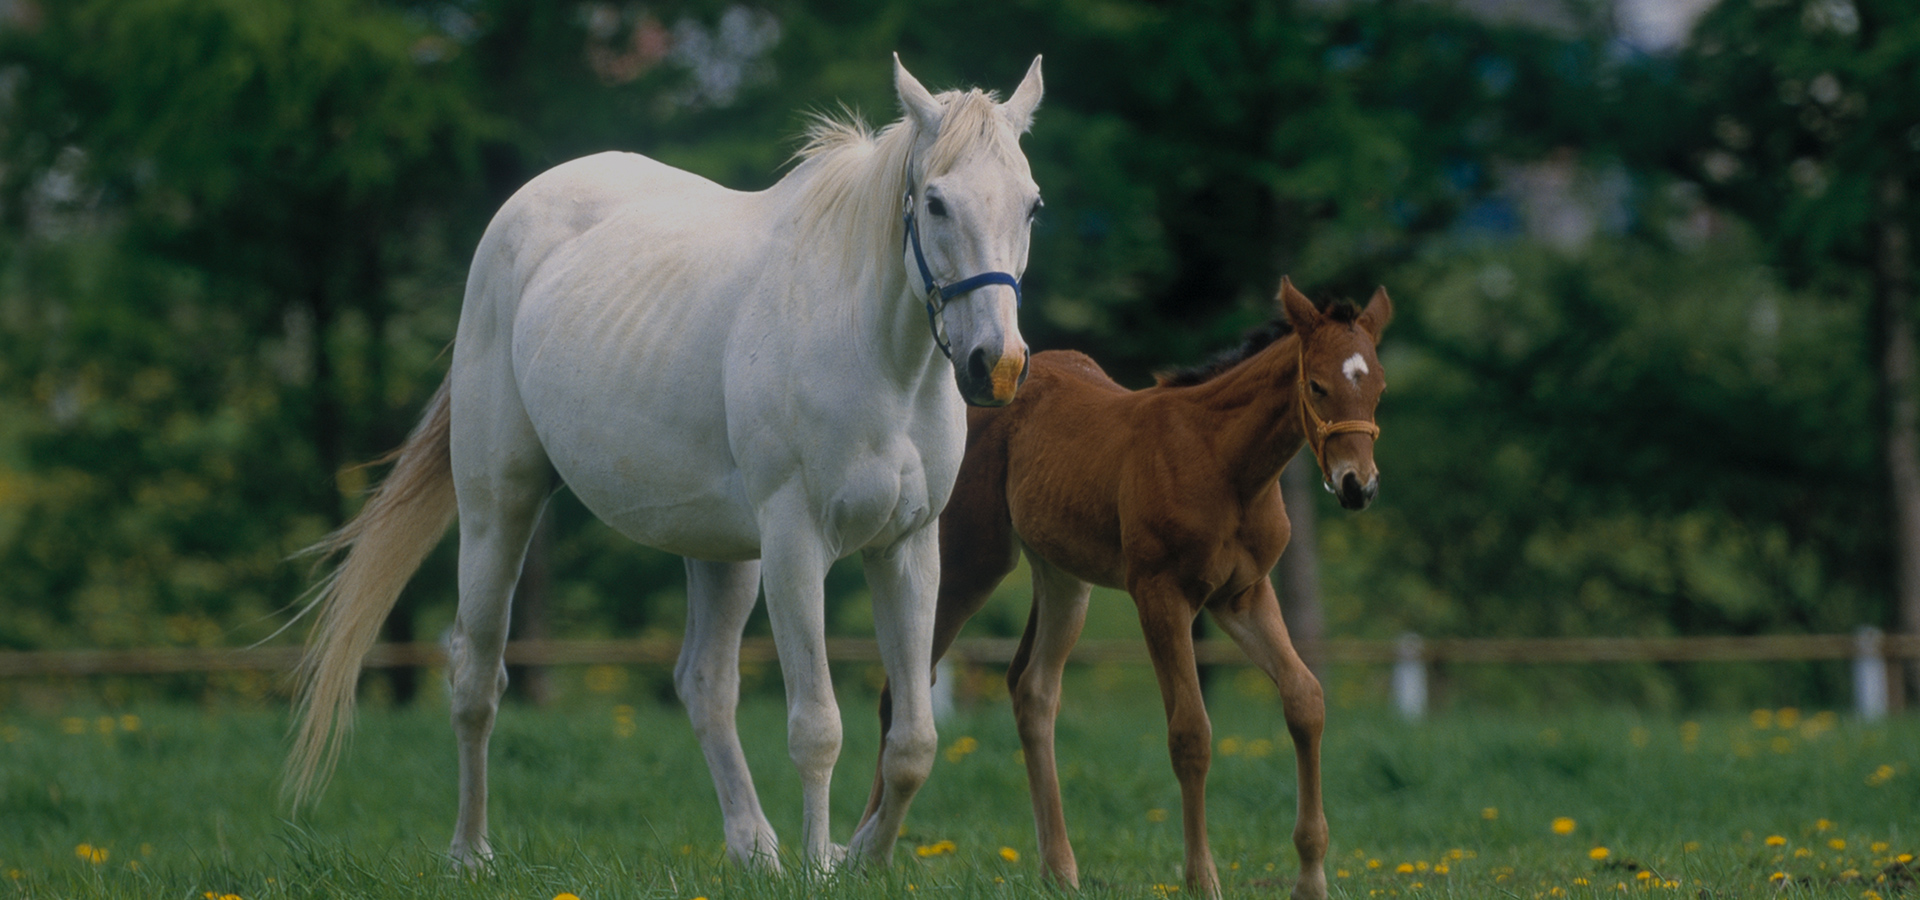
1799,115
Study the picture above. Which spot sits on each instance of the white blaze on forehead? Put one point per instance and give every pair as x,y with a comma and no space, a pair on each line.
1354,367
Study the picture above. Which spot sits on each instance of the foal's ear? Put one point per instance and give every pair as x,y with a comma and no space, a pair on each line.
1026,98
915,99
1378,313
1299,310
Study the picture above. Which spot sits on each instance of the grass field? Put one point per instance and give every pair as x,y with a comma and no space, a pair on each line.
602,798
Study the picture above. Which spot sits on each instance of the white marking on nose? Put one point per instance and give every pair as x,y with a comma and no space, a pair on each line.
1354,367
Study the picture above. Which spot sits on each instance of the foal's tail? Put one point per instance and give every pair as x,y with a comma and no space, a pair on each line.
385,543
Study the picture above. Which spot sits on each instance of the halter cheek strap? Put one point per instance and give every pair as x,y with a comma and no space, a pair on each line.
1318,429
934,289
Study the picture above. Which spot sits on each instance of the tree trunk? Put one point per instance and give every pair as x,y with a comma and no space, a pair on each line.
1893,295
1298,573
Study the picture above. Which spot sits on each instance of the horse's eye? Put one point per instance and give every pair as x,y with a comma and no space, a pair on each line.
1317,390
1035,211
935,207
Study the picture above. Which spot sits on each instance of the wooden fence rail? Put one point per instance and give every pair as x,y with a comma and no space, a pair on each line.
992,651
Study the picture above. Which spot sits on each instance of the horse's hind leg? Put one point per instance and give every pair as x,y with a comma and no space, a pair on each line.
1253,621
720,596
502,479
1033,682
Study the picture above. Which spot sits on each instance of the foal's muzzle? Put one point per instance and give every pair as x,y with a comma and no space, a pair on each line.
1352,493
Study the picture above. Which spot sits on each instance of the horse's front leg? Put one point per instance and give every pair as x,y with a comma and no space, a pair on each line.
793,566
720,596
1166,618
1033,683
1253,621
904,579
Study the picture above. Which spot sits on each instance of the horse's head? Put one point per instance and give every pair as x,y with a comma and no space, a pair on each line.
1340,383
969,210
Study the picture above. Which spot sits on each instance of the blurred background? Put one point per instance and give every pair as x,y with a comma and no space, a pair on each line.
1651,372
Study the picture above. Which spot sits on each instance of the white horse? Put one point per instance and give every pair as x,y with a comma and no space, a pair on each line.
753,381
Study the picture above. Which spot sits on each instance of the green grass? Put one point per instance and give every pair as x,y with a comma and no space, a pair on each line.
603,800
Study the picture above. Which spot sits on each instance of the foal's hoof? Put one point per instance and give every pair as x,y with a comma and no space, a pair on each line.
836,857
1311,886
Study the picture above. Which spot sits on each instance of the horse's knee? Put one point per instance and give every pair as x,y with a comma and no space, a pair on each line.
1190,744
909,759
1305,707
813,740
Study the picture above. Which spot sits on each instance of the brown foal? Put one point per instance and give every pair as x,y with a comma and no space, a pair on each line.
1171,493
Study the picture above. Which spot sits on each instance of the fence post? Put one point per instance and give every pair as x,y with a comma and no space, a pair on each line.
943,689
1410,677
1869,673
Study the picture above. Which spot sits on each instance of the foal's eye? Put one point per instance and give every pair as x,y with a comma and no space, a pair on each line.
1035,211
1317,390
935,207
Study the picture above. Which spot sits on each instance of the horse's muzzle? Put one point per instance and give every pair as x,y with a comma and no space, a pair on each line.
989,380
1354,494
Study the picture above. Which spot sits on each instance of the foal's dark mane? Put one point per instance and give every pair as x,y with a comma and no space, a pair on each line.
1255,341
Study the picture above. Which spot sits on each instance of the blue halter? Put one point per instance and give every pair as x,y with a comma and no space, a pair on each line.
950,291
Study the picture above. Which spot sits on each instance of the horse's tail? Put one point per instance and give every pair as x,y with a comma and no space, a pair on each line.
400,524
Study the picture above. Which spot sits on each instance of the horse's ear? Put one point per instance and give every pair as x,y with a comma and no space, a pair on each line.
915,99
1378,313
1299,310
1026,98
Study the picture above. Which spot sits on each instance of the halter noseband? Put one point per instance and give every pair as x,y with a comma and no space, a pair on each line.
1318,429
948,292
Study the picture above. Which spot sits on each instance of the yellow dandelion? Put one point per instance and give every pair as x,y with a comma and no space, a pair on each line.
1580,882
1373,864
1774,840
1404,868
1163,890
1490,813
1009,854
1156,815
1643,875
564,895
1441,868
1598,853
1777,877
90,853
1342,873
1903,858
937,848
1878,847
1823,825
1229,746
1690,847
1762,719
1563,825
1837,844
1801,853
961,748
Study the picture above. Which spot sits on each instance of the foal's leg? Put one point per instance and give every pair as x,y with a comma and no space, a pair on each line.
904,579
1253,620
1033,682
502,481
1167,620
793,566
720,596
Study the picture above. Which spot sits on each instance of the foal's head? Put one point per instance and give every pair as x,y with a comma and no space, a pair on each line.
1340,384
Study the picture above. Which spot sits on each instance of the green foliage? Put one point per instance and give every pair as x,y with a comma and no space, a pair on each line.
236,234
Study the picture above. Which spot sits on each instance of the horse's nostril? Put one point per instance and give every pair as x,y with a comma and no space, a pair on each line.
977,367
1351,486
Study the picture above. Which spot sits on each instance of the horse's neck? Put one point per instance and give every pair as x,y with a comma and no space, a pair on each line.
883,326
1255,410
